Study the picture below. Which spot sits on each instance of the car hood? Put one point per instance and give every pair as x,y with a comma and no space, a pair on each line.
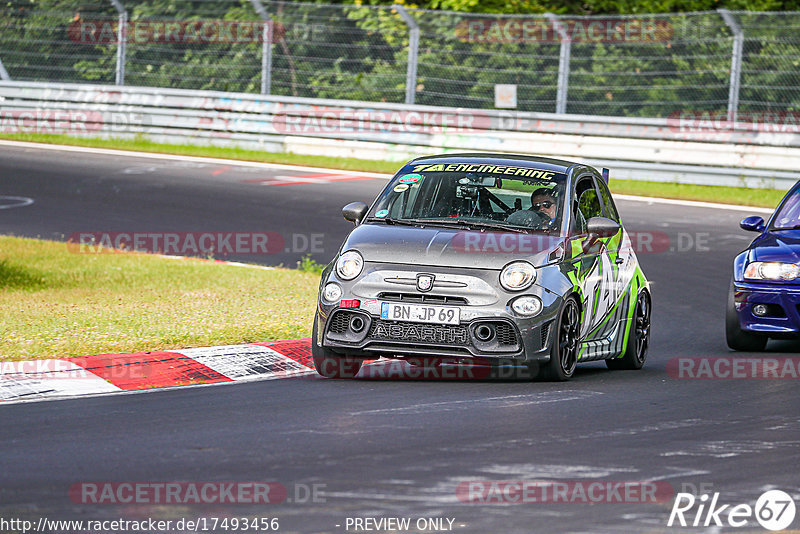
783,245
434,246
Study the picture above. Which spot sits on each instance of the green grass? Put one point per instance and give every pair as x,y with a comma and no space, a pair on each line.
57,303
768,198
307,265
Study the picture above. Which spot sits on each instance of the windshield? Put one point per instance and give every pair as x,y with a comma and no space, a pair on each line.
789,214
473,195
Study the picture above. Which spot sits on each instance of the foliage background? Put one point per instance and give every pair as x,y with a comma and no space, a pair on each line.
358,51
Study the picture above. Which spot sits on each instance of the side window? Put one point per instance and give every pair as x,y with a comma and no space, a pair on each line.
608,202
587,203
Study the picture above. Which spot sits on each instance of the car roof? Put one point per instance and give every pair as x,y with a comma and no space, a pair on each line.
519,160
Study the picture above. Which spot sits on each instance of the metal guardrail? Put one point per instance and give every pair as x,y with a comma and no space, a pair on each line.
643,149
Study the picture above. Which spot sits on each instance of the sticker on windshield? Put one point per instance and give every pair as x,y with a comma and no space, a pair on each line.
524,172
381,213
410,178
400,188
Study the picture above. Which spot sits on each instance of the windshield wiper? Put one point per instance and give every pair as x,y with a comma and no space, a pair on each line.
452,223
471,224
389,220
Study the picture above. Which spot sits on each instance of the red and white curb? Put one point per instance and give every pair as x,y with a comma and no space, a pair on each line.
112,373
102,374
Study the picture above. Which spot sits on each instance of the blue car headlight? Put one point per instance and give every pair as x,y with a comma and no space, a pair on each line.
772,270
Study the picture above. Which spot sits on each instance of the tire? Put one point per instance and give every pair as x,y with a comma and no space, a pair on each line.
564,345
737,338
328,363
638,338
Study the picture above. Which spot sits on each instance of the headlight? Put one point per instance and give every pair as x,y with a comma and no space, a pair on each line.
332,293
527,306
517,276
349,265
770,270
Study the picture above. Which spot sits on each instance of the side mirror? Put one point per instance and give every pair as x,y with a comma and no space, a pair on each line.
754,223
355,212
601,227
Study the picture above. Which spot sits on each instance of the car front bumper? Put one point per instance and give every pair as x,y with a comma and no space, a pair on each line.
783,305
482,302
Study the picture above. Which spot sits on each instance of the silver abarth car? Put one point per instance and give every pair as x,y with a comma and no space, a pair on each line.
489,258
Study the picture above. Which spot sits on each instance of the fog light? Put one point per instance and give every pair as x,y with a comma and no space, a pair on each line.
357,324
760,309
527,306
484,332
332,293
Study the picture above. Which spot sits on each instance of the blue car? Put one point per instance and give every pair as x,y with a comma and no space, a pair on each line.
764,297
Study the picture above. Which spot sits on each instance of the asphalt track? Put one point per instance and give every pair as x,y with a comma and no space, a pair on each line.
388,448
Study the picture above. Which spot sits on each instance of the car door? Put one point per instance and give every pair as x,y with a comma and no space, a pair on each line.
593,269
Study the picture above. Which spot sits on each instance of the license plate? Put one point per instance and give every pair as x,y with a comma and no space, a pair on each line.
420,313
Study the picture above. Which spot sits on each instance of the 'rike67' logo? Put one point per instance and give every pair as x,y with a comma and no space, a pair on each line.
774,510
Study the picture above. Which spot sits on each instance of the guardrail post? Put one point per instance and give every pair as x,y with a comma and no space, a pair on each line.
4,73
122,40
563,63
736,64
266,47
413,49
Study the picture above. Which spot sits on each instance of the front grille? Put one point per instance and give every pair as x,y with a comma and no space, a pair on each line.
423,297
505,334
339,322
419,333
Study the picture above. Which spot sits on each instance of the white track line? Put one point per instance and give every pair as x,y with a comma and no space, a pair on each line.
178,157
694,204
279,166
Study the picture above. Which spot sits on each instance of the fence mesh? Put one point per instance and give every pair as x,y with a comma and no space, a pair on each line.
771,61
462,56
643,65
347,52
683,64
38,41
